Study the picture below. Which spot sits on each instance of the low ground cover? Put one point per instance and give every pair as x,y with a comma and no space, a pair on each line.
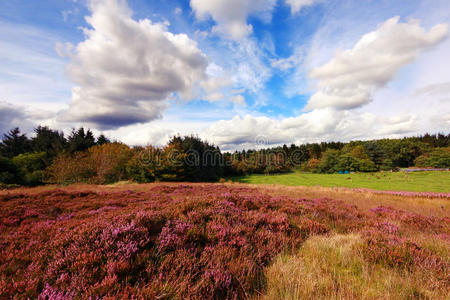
432,181
219,241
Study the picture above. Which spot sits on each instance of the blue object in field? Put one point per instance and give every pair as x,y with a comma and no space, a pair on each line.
340,172
347,172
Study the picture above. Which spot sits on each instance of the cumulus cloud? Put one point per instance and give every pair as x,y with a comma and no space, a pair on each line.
297,5
125,69
350,78
13,116
316,126
231,15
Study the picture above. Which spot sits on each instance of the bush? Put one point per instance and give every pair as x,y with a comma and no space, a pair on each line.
144,166
310,165
31,167
67,169
387,165
438,158
110,162
183,159
329,162
366,165
99,164
348,163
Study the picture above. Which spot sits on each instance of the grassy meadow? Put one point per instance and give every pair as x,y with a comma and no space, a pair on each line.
222,241
429,181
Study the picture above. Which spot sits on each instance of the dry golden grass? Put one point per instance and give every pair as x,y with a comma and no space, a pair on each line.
365,200
334,267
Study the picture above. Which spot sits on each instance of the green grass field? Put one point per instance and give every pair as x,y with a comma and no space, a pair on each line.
434,181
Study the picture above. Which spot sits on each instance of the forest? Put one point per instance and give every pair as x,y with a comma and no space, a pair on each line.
51,157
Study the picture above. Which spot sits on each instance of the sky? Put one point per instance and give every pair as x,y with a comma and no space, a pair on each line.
238,73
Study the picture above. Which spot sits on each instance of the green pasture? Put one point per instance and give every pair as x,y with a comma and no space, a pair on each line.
429,181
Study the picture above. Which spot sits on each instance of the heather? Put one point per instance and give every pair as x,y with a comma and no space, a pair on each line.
215,241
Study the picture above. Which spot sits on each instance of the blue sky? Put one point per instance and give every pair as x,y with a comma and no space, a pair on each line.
289,71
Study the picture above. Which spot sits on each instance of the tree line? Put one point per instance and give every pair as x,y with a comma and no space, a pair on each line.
50,157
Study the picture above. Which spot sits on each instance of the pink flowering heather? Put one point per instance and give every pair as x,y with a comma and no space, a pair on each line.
183,241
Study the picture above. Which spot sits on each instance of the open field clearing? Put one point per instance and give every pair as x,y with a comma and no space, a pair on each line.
436,181
174,241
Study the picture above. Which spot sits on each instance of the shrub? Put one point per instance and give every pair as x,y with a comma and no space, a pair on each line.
183,159
366,165
99,164
31,167
137,170
329,162
387,165
110,161
347,162
67,169
311,165
438,158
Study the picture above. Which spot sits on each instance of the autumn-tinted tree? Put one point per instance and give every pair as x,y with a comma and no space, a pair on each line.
99,164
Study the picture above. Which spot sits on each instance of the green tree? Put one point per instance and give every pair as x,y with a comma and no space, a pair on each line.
47,140
31,167
387,165
8,171
14,143
80,140
203,162
101,140
437,158
329,161
375,152
347,162
359,152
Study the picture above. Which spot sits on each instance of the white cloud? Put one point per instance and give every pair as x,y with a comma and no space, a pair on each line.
238,99
248,67
14,116
126,69
178,10
434,89
297,5
316,126
231,15
213,86
349,79
64,49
